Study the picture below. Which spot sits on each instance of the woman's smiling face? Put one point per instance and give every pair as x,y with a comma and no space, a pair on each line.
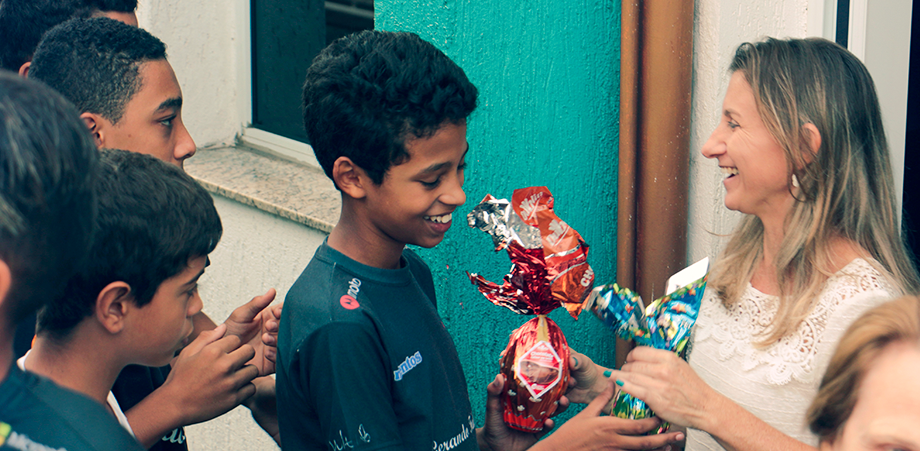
757,180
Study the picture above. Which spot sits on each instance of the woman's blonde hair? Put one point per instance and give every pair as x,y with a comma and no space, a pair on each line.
846,187
863,342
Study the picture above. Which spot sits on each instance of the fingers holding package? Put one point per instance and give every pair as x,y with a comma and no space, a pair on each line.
668,385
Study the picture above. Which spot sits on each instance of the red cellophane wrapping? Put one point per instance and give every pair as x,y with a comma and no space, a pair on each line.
545,275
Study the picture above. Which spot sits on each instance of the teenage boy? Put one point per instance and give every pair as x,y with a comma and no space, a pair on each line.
48,165
24,22
133,300
127,94
364,361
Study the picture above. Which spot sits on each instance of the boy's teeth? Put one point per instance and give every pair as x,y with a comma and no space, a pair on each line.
443,219
729,171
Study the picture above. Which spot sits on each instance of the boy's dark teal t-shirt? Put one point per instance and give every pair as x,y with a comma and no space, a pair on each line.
37,414
364,361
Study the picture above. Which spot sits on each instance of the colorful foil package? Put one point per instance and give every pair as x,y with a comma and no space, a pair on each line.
549,269
665,324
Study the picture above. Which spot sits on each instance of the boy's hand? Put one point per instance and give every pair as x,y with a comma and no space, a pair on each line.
256,323
587,379
210,376
589,430
495,435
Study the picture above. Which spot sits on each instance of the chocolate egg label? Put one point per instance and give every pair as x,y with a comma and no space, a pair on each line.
539,369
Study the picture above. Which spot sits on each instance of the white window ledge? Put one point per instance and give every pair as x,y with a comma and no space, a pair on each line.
283,188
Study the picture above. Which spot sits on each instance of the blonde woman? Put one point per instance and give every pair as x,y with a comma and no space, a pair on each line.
804,155
870,396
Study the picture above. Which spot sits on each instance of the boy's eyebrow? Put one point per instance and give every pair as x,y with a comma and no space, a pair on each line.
438,166
195,279
173,103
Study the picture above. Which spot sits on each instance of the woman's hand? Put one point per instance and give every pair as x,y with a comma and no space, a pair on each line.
669,386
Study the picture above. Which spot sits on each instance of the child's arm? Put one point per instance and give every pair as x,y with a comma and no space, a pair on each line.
587,430
264,407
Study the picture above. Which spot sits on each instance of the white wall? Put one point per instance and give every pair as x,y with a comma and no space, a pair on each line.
258,251
201,39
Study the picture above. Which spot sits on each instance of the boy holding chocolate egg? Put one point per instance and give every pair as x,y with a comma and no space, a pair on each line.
364,361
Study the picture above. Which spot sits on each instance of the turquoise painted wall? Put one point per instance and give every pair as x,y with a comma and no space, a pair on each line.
548,78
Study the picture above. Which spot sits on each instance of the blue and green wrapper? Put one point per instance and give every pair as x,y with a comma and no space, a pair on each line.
665,324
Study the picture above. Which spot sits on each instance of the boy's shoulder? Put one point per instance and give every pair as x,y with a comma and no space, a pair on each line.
35,413
329,269
334,288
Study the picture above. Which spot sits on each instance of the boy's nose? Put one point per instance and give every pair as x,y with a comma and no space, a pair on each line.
195,305
185,145
455,194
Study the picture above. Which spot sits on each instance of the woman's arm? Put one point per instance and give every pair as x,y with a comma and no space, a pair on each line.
677,394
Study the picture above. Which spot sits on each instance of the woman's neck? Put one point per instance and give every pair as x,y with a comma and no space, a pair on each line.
764,277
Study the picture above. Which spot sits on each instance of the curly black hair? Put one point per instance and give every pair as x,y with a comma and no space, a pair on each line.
368,92
95,63
122,6
24,22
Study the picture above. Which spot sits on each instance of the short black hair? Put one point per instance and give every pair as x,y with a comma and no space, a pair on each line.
153,218
122,6
24,22
48,166
366,93
95,63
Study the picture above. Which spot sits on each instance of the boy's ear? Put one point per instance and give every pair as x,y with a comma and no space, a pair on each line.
349,177
112,305
6,281
96,127
24,69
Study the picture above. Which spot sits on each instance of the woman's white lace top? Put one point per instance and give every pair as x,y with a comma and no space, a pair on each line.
778,383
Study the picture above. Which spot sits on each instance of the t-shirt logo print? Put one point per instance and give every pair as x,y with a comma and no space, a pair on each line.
411,362
350,301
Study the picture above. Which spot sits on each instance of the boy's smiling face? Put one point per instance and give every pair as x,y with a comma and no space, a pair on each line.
152,120
413,204
164,324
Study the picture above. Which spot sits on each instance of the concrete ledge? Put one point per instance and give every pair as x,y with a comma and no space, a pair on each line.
290,190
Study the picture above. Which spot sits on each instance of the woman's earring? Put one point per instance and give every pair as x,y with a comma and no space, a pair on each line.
795,181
